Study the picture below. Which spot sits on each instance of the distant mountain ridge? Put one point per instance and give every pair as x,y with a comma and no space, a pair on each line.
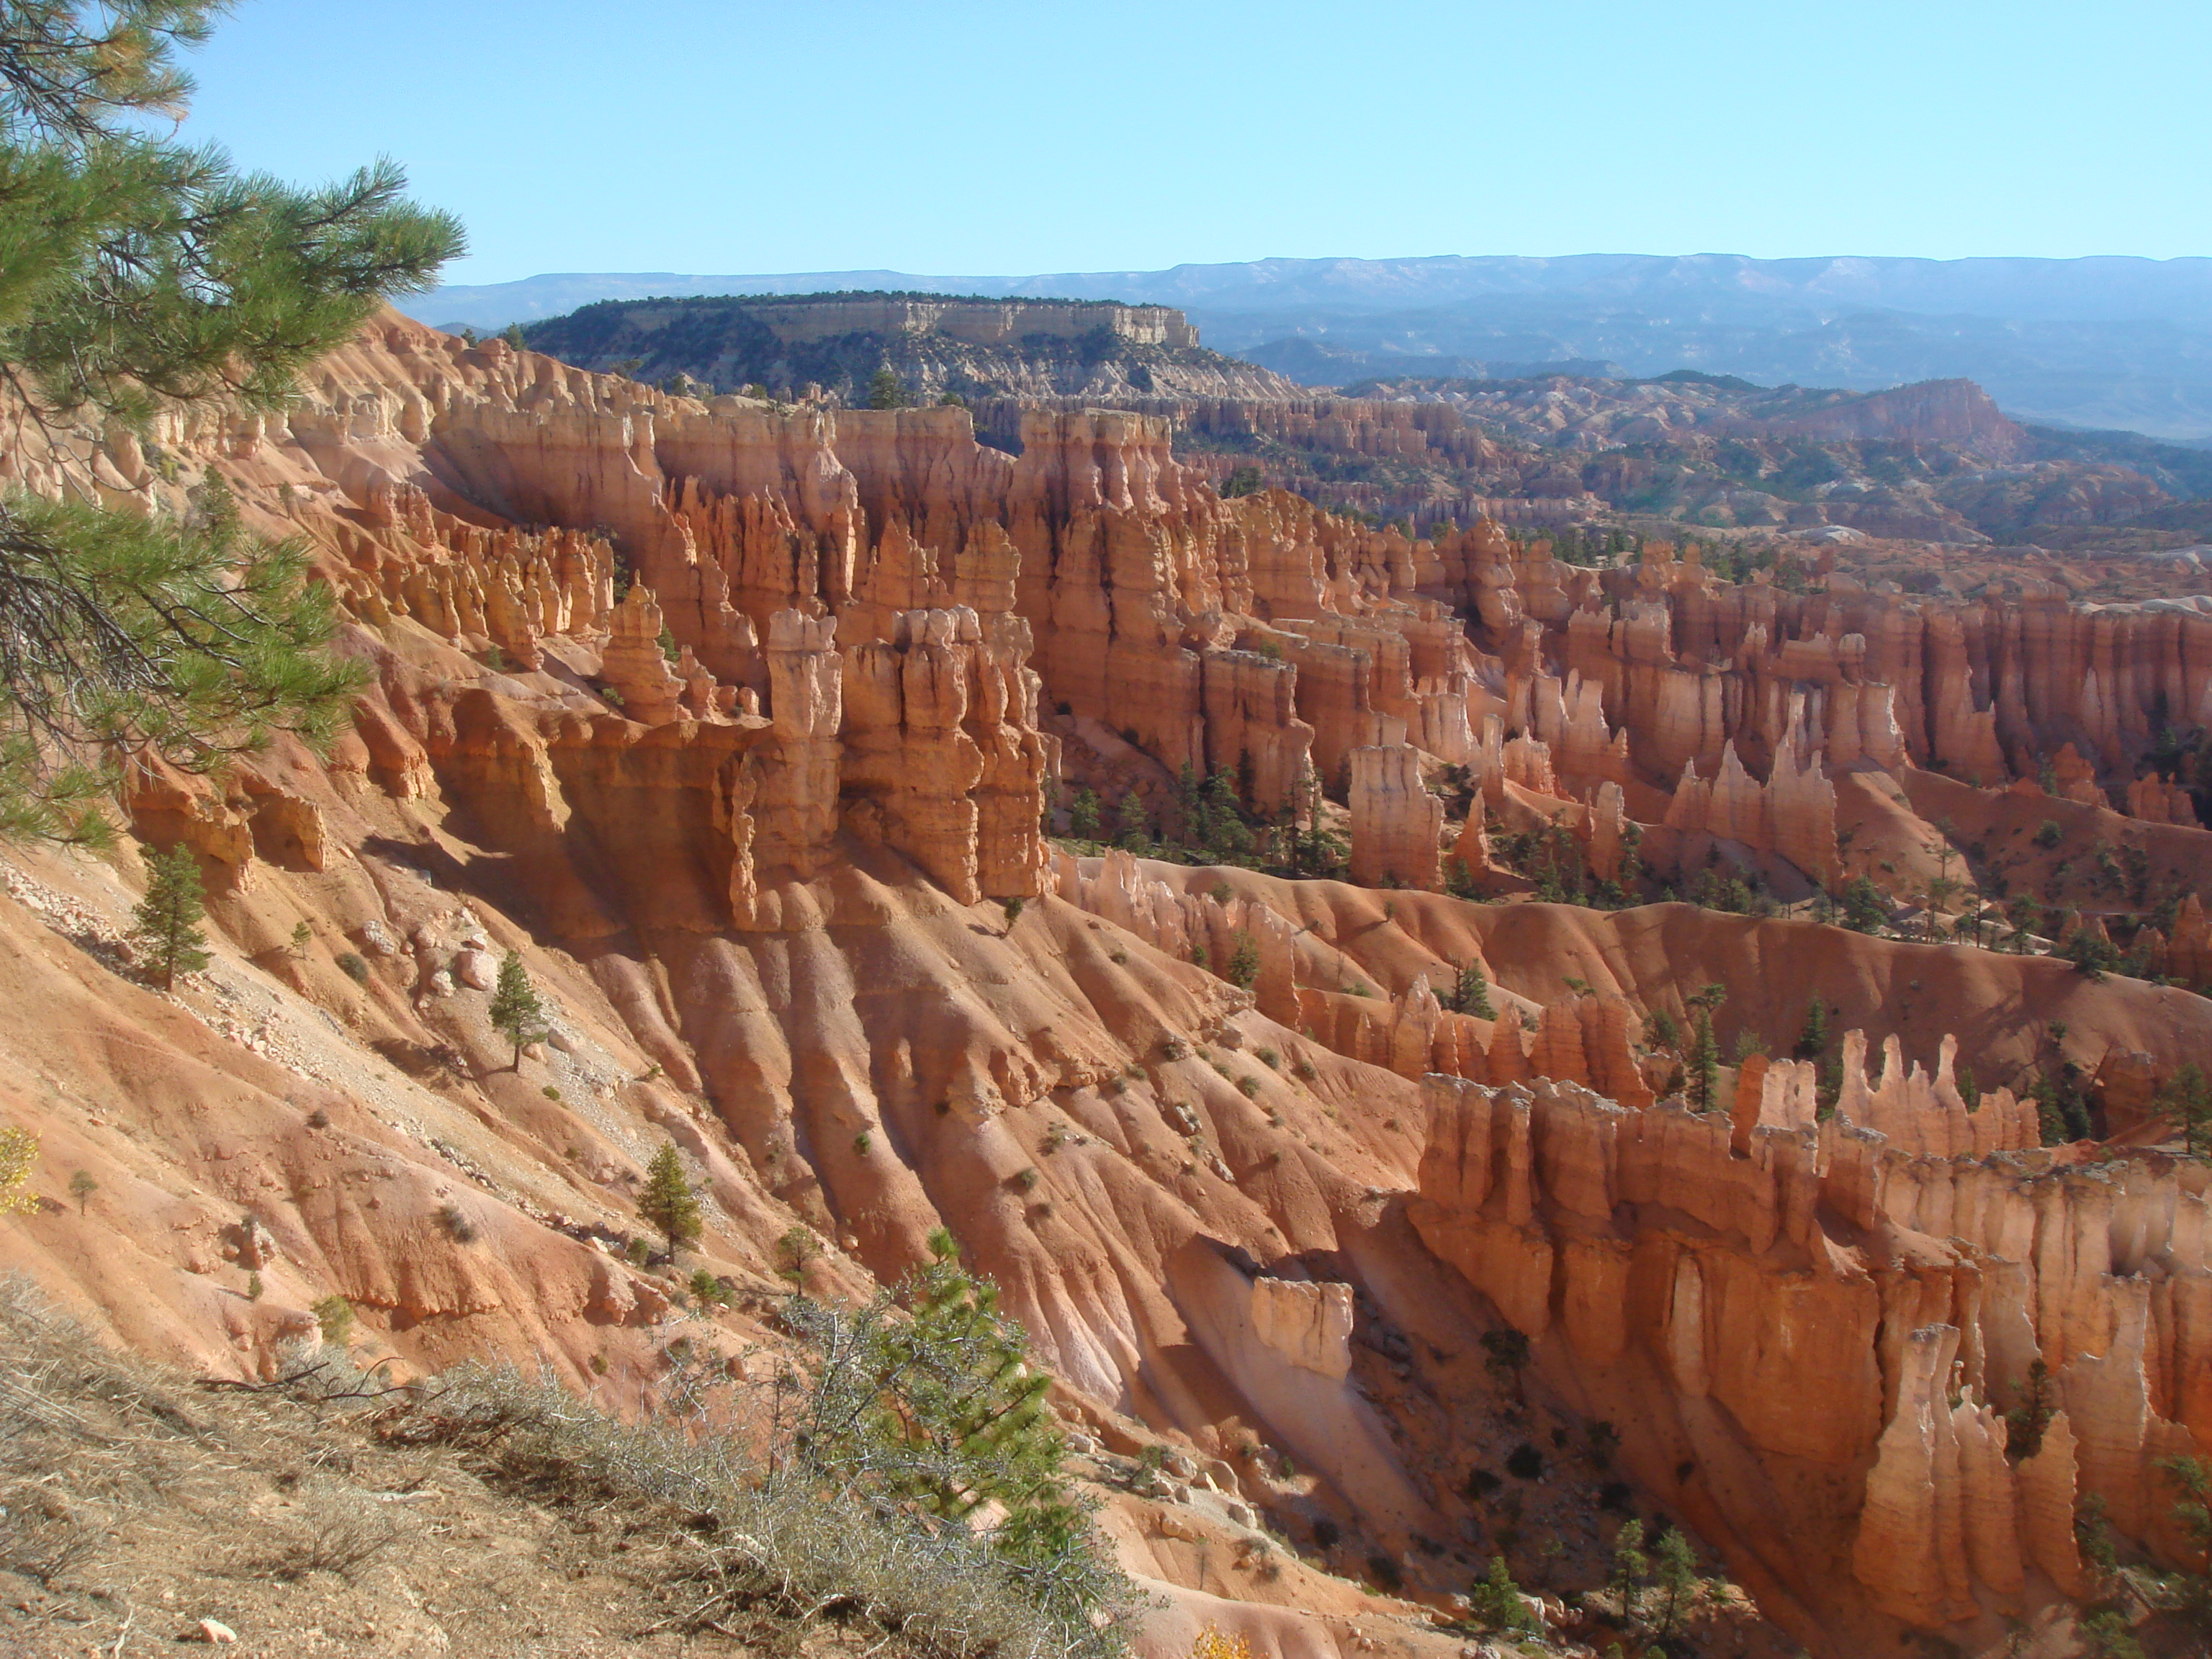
2105,342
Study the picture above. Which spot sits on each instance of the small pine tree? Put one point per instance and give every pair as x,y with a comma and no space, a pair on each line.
253,1287
941,1408
1244,962
1012,907
886,390
1865,910
1704,1062
302,937
516,1012
1813,1042
1629,1566
668,1201
165,925
81,1188
512,335
1677,1571
1130,820
1083,815
1495,1601
1471,993
2186,1102
2026,1422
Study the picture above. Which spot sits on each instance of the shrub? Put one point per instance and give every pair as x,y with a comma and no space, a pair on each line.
550,1093
334,1316
1525,1462
458,1226
1248,1086
1267,1057
794,1251
2093,957
1025,1179
1305,1071
2048,834
353,967
707,1290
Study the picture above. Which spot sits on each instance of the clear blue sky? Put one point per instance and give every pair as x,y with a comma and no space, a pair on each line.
724,135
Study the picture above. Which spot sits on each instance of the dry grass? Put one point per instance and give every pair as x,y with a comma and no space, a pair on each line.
489,1515
756,1538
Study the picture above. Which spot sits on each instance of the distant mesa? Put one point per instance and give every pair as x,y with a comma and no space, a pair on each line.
965,346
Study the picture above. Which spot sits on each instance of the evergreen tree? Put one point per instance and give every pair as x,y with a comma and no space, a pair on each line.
1676,1566
942,1409
1704,1060
1225,836
1813,1042
1129,820
2026,1422
516,1012
1629,1566
1704,1063
1083,815
2192,1510
512,335
1471,993
668,1201
886,390
142,275
1495,1601
165,928
1244,962
2186,1102
1865,910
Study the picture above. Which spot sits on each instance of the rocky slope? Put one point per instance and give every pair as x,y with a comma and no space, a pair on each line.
740,724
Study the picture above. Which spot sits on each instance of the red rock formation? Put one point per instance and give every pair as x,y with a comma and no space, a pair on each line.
1395,821
1860,1301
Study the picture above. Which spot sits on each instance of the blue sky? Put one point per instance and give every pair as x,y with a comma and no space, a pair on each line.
722,136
